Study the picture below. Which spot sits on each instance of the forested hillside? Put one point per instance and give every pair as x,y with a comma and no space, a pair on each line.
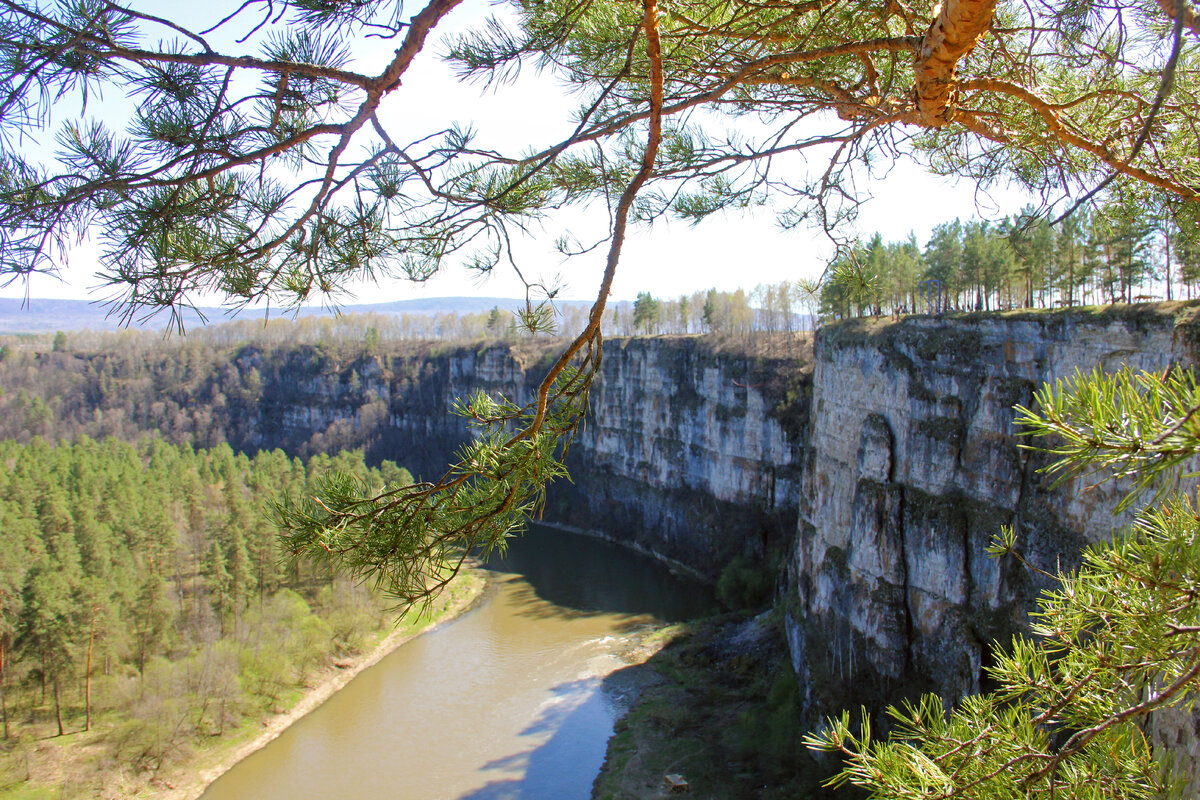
143,596
186,390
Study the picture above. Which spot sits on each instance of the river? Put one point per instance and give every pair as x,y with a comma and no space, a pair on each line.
515,699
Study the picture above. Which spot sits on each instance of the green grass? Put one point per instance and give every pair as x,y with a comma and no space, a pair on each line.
26,791
728,722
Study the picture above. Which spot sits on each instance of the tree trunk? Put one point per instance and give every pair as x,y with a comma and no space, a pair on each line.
3,677
58,706
958,27
142,657
179,589
87,675
1071,277
1167,255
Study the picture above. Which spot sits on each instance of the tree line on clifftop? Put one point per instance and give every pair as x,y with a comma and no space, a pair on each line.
1127,250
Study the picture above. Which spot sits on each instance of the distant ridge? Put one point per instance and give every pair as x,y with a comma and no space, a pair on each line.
42,316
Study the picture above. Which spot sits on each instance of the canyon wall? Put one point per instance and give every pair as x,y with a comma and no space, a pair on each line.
689,452
883,462
396,405
911,468
692,449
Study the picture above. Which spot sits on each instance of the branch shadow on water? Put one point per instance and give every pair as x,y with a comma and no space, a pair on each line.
568,740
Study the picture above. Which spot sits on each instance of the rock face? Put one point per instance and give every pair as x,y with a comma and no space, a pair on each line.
690,454
912,466
397,406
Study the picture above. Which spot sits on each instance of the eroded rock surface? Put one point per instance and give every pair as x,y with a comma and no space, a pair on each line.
912,467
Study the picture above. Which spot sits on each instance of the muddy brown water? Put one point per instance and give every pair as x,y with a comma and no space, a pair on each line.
515,700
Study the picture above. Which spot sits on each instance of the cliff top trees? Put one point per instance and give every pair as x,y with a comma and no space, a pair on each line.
645,313
254,159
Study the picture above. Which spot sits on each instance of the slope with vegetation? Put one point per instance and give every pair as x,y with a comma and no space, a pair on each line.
146,612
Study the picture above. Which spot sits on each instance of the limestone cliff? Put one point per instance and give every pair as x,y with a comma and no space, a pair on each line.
912,467
690,453
397,405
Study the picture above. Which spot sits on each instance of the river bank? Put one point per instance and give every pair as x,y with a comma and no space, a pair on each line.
189,781
517,698
715,709
84,763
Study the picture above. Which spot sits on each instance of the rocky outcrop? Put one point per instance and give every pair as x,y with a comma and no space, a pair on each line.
396,405
913,465
690,453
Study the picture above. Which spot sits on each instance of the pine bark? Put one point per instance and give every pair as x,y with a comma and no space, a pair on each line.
58,706
954,33
3,676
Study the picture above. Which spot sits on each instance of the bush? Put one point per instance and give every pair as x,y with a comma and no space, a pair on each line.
743,585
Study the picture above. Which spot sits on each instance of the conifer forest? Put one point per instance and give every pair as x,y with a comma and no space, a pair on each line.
142,591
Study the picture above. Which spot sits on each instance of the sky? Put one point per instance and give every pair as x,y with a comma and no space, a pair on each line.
727,251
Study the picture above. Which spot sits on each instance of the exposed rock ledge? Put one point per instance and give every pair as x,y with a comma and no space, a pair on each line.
913,465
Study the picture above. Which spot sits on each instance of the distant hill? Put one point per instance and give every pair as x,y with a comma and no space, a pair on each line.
41,316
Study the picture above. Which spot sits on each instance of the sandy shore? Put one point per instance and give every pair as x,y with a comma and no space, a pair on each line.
190,784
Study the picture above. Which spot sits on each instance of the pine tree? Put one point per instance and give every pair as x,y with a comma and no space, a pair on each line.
48,629
944,257
152,615
646,313
709,312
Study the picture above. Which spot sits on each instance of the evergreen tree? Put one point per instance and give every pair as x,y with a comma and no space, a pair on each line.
709,312
19,548
1127,225
495,322
645,313
1032,244
1187,244
217,579
152,616
944,257
1069,252
48,631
